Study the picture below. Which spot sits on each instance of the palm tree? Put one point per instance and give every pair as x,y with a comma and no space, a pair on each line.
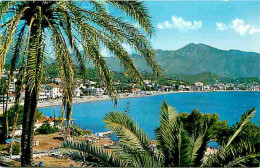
63,110
64,26
177,146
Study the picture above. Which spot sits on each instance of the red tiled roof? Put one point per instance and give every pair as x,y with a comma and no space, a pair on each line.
136,89
12,95
53,85
44,118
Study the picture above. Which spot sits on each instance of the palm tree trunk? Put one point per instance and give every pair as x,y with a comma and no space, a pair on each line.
63,111
69,114
3,104
33,78
30,107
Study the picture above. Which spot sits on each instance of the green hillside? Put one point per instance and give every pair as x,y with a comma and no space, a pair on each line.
195,59
198,58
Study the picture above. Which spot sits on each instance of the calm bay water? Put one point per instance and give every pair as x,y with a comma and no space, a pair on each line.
145,110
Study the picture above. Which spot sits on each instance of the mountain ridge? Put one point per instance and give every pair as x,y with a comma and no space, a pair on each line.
194,59
198,58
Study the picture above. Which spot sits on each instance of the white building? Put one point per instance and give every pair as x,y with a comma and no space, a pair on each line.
77,91
198,86
136,91
95,91
207,87
52,90
43,95
12,85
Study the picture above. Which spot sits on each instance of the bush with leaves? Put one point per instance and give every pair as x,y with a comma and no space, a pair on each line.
16,149
78,131
47,128
11,115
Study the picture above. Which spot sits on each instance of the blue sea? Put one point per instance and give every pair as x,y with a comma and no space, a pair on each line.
145,110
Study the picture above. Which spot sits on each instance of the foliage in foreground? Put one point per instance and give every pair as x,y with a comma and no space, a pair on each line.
78,131
46,128
16,149
180,143
11,115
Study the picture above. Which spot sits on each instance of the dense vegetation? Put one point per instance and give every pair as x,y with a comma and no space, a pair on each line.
78,131
205,77
16,149
168,80
46,128
11,115
221,130
182,141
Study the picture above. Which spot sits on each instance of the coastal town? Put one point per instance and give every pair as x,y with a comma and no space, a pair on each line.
129,83
91,90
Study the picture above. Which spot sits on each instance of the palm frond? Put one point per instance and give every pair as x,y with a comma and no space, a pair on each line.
235,155
128,131
167,134
167,114
243,160
66,68
93,153
123,32
136,10
16,49
196,144
5,43
233,150
134,157
66,24
4,7
245,118
34,60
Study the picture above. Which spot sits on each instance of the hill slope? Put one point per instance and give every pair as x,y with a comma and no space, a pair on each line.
198,58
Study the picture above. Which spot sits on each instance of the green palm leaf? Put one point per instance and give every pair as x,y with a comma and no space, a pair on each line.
86,152
235,150
245,118
128,131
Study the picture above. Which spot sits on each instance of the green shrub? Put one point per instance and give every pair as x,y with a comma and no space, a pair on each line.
11,115
16,149
78,131
36,132
46,128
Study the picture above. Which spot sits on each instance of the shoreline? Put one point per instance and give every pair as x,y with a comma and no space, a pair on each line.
87,99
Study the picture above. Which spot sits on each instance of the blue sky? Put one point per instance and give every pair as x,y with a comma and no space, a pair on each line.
222,24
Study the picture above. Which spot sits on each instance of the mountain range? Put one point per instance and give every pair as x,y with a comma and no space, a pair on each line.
198,58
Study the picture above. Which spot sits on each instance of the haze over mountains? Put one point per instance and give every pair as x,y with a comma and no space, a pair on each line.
198,58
